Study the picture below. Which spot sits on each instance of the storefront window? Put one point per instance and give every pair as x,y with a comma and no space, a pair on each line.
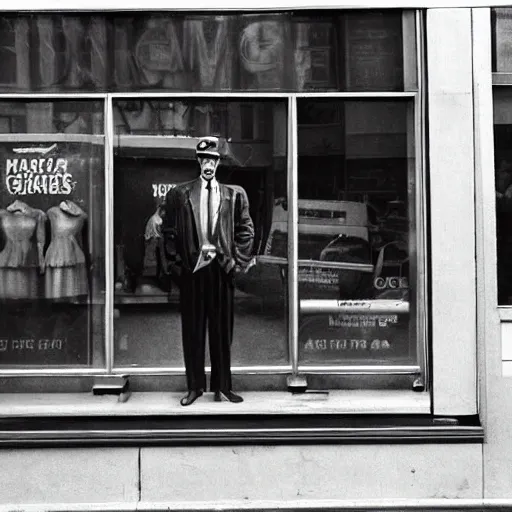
52,233
502,99
318,121
502,41
355,282
503,182
155,149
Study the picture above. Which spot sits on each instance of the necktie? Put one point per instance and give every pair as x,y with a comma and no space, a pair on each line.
209,208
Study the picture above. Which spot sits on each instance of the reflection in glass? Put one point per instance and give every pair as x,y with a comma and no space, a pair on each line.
155,151
502,39
52,230
354,209
503,180
374,51
281,51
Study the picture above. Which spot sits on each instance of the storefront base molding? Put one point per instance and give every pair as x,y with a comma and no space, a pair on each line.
434,505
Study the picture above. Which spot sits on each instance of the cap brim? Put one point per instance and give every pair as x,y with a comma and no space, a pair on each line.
206,153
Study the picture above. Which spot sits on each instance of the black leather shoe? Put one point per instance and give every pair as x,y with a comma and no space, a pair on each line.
227,396
191,397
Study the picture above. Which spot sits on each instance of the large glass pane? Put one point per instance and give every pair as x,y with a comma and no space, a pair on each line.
502,39
503,180
54,52
155,153
52,230
357,50
356,225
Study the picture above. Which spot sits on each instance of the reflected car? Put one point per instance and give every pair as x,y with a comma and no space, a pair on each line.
334,252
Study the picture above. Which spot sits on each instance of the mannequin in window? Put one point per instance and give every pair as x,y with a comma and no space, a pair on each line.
65,260
23,229
154,280
208,236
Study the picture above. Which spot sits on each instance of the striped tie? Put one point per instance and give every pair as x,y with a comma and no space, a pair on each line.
209,208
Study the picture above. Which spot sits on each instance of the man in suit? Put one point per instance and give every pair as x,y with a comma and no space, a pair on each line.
208,237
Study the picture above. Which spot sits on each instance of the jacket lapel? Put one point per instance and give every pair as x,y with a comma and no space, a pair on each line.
224,206
195,203
225,197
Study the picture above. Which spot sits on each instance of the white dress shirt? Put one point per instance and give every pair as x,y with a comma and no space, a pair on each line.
215,202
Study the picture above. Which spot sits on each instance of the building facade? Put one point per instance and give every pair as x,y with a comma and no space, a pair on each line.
371,326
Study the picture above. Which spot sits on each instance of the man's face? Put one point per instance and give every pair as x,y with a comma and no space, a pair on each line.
208,167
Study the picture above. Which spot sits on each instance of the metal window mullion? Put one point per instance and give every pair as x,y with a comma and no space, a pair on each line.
356,95
360,369
51,137
210,95
109,234
502,79
420,201
180,370
51,372
293,237
184,95
236,370
52,96
410,30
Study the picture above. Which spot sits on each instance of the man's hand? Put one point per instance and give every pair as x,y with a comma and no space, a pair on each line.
251,264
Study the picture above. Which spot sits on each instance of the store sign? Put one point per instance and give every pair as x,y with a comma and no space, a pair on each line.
31,176
345,344
194,52
52,334
338,337
318,276
32,344
158,50
70,52
160,189
391,283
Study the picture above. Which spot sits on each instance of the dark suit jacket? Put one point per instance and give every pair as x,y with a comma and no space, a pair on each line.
182,237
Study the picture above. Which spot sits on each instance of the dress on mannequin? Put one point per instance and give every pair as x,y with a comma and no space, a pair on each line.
153,281
24,230
152,234
66,269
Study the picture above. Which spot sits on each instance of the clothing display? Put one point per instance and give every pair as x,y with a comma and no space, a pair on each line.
24,230
154,280
66,270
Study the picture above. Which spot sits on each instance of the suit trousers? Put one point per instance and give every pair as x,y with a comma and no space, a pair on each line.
206,298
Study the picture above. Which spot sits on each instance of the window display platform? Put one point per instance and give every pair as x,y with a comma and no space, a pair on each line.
255,402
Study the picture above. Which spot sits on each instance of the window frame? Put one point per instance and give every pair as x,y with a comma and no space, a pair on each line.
420,113
110,367
499,316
